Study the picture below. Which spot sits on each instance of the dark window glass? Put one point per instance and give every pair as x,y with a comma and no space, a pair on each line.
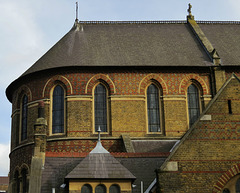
100,104
100,189
114,189
238,186
153,109
226,190
16,182
193,104
24,117
86,189
24,181
58,110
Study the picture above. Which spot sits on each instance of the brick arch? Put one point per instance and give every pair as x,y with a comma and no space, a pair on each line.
152,78
96,79
24,89
224,179
193,78
53,81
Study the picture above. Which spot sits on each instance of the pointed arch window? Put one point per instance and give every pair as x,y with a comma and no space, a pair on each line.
24,174
153,108
24,112
100,107
58,110
16,186
193,103
100,189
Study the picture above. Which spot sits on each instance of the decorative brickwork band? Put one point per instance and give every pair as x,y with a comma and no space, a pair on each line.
57,80
218,187
148,80
98,78
190,79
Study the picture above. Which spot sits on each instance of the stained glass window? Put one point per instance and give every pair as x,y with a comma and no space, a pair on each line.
24,117
58,110
193,104
100,104
153,109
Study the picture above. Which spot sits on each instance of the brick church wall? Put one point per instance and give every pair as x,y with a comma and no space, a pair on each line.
209,151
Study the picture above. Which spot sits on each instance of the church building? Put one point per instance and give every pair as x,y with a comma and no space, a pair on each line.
130,107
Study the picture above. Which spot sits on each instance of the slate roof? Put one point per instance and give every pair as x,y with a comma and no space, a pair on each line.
225,38
100,166
151,146
56,168
125,44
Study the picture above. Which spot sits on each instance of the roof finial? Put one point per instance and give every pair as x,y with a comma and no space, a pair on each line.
76,11
190,16
189,9
99,131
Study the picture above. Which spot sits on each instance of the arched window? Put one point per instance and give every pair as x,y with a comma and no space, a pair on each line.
86,188
16,182
58,110
226,190
100,189
238,186
114,189
153,109
24,181
193,103
24,112
100,107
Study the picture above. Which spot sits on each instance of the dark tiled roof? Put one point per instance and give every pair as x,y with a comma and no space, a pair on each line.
57,168
225,39
100,166
125,44
153,145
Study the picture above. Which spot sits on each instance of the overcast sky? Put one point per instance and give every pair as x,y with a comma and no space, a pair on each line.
29,28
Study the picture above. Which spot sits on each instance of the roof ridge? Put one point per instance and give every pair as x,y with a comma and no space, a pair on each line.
135,22
217,22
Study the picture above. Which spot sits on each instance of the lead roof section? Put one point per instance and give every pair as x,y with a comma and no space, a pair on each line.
100,166
125,44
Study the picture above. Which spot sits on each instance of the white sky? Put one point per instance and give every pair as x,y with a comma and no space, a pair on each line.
29,28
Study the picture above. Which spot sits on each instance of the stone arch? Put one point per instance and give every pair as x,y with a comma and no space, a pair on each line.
24,166
59,79
148,80
23,90
197,80
223,180
100,78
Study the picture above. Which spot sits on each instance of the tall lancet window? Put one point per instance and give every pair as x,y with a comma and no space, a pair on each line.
153,109
100,107
24,112
193,103
58,110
